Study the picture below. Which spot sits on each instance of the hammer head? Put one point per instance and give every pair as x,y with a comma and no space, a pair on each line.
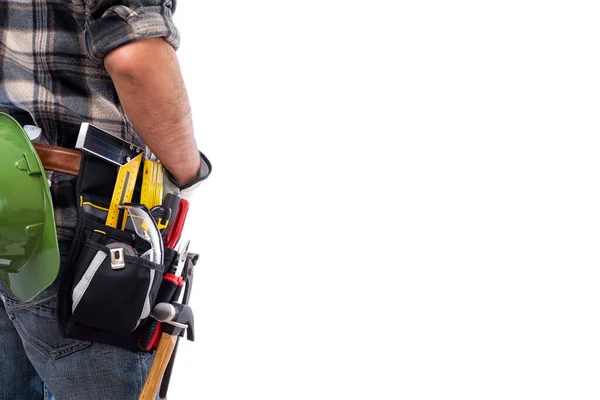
176,318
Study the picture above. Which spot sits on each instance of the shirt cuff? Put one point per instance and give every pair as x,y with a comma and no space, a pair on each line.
120,25
186,190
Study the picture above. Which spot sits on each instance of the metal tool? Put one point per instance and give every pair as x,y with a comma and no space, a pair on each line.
103,145
182,250
188,276
176,319
170,290
180,270
127,249
146,228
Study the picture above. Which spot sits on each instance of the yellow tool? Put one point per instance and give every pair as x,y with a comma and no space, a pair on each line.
145,194
123,192
152,184
159,189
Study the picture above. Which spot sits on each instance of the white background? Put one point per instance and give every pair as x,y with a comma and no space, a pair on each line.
405,201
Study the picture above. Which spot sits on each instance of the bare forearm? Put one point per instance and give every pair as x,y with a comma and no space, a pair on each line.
148,80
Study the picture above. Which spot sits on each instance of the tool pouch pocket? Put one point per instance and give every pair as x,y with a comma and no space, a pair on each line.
99,301
95,184
113,295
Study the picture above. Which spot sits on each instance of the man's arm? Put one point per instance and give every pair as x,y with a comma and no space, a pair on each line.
148,80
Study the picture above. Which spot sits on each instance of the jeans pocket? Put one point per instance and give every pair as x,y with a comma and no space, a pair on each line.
37,324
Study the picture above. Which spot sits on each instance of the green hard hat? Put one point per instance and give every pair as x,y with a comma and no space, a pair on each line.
29,258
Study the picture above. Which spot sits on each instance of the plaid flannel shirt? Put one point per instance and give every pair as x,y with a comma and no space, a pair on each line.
52,74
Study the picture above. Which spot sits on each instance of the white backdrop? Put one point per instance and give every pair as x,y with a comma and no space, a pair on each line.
404,203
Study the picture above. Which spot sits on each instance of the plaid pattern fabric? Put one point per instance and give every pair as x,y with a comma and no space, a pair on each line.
52,74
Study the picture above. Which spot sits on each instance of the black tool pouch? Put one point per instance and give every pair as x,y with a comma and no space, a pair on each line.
102,297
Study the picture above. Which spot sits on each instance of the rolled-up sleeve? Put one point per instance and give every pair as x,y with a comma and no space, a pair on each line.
114,23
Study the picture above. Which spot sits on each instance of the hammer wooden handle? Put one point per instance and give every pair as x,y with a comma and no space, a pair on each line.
161,360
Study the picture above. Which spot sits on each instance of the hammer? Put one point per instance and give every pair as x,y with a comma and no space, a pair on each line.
176,318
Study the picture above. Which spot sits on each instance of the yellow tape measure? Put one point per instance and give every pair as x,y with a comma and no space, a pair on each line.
124,187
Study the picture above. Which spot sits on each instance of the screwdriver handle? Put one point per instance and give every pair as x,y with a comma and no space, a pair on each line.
171,201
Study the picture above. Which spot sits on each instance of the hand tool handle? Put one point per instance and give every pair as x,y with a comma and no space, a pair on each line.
164,387
175,232
171,201
161,360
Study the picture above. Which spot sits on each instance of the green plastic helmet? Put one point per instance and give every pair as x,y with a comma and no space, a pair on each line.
29,258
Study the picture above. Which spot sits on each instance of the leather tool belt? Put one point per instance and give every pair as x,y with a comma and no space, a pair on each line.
59,159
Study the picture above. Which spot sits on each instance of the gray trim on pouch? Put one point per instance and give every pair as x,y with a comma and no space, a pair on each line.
147,307
85,281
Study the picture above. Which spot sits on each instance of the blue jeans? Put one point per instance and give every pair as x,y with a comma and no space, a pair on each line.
36,362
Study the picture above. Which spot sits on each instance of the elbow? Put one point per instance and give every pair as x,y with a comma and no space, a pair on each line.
134,59
121,61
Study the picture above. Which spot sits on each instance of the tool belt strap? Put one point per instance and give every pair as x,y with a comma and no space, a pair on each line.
59,159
